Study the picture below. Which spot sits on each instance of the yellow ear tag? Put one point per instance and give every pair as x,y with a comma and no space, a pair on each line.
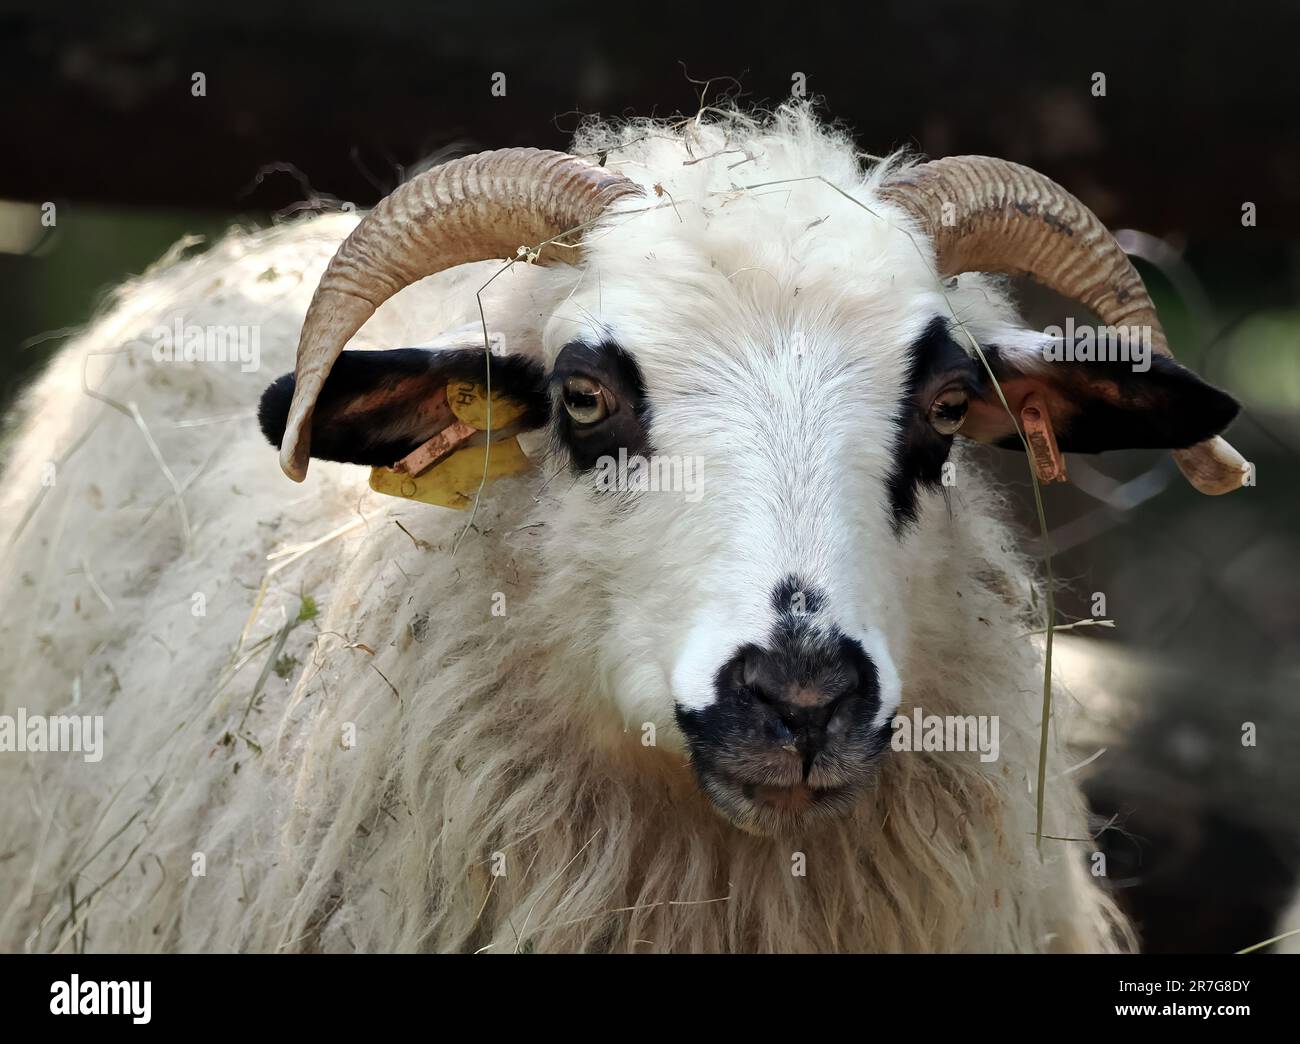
455,476
469,402
453,482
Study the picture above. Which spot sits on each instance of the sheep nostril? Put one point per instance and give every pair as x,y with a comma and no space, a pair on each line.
780,732
838,715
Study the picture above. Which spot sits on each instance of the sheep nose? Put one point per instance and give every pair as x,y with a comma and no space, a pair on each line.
803,702
795,726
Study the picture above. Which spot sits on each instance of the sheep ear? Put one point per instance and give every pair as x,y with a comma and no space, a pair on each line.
1077,406
378,407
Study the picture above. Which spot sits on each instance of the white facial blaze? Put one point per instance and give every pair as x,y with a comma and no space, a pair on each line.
891,686
797,450
773,333
711,640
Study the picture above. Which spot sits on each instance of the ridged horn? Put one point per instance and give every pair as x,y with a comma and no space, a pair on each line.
471,209
1004,217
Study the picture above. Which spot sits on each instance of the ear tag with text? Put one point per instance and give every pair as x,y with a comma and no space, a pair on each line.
1036,423
447,469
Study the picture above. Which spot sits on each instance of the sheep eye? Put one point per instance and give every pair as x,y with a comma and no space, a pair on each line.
949,410
586,400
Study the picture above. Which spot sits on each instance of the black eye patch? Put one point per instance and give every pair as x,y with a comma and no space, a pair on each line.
938,362
627,426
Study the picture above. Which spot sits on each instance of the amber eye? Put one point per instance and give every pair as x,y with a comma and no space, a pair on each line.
586,400
949,410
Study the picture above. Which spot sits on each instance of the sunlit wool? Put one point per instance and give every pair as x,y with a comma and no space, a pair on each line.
430,775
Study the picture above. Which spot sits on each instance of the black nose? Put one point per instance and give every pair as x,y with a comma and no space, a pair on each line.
804,694
791,734
792,730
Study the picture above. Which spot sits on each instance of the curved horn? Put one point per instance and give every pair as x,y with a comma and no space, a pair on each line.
1009,218
471,209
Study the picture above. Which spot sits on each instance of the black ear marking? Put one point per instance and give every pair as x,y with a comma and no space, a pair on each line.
1106,405
375,407
1167,407
273,410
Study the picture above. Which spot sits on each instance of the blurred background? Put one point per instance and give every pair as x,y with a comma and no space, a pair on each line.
329,104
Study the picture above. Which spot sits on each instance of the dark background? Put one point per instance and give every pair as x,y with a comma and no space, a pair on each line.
313,105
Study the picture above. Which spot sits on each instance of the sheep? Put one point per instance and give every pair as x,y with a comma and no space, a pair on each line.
564,719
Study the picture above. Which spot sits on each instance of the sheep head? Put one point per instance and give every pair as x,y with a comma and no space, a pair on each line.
806,352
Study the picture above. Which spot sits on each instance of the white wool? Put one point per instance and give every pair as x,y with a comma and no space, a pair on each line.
498,793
